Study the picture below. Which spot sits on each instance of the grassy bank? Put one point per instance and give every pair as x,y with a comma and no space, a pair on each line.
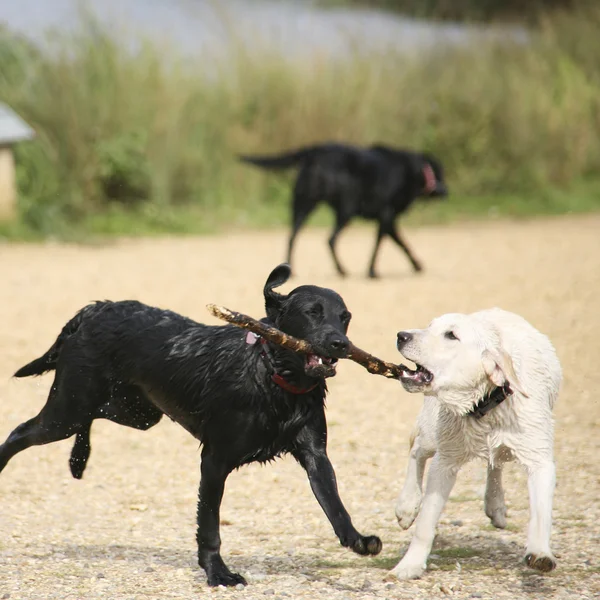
136,140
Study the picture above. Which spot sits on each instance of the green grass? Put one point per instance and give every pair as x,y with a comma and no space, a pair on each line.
152,220
332,565
142,142
447,560
384,562
509,527
456,553
463,498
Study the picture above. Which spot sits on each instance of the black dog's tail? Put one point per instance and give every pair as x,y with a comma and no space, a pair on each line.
47,362
282,161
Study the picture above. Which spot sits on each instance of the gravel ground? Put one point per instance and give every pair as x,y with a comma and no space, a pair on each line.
127,530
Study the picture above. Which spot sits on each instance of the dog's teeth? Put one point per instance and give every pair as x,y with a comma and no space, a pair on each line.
320,360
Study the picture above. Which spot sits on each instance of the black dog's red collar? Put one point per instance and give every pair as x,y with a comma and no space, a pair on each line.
288,387
252,338
429,176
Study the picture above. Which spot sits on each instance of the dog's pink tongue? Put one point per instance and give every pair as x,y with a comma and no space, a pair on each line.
313,360
410,375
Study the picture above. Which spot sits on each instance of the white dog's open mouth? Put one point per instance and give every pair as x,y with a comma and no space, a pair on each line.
420,376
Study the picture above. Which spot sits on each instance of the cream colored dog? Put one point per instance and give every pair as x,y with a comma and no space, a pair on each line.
490,381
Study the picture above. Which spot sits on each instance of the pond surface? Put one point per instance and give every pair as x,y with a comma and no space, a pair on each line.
293,28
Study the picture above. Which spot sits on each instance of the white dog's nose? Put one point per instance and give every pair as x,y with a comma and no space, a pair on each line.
403,338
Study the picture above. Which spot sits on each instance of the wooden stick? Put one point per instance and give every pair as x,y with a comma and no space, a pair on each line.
272,334
376,365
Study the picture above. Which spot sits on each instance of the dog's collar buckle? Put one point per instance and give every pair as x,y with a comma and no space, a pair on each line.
252,339
491,400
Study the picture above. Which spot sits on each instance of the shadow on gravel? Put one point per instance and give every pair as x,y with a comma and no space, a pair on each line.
482,556
536,584
486,553
260,564
90,553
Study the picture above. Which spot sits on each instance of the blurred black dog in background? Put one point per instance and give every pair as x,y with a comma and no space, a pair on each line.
377,183
245,400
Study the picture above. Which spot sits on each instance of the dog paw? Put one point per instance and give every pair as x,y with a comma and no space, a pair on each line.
226,578
497,517
406,512
405,571
367,545
77,468
540,562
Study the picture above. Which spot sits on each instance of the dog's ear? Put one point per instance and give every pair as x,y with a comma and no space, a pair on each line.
499,368
279,275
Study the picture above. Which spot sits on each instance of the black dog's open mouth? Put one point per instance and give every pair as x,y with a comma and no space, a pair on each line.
320,366
420,376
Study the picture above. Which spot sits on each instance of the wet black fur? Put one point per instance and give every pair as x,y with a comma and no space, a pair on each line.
132,363
376,183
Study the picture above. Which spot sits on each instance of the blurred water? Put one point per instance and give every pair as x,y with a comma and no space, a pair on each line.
204,26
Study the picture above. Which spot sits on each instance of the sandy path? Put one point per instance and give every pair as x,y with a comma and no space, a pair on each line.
127,530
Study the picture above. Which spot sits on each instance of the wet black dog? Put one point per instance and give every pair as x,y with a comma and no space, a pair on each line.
246,401
377,183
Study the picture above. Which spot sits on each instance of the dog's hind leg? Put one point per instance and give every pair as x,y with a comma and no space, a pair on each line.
380,235
19,439
74,396
42,429
495,508
80,452
409,500
128,407
341,220
304,202
212,484
297,222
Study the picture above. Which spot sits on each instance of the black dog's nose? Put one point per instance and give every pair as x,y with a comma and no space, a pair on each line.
403,338
339,346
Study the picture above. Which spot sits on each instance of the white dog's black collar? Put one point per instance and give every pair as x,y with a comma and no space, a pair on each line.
490,401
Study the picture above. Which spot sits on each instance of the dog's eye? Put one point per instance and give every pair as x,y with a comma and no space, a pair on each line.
345,318
449,335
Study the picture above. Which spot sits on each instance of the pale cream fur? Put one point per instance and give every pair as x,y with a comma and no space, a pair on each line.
493,346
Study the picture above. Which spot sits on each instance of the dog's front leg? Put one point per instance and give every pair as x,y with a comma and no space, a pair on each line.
495,507
409,500
313,457
542,478
440,482
212,483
